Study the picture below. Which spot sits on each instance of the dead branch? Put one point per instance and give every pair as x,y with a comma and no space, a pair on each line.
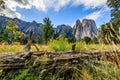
29,43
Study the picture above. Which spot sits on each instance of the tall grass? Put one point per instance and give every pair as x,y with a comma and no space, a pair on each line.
87,70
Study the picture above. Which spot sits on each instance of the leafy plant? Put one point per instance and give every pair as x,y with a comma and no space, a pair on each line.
60,45
11,33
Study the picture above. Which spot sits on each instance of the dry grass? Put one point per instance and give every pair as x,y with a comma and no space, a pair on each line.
17,48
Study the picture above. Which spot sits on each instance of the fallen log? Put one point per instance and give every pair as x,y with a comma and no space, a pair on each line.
61,57
8,59
69,56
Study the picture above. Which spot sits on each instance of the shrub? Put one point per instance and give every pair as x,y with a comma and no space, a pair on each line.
80,45
87,40
60,45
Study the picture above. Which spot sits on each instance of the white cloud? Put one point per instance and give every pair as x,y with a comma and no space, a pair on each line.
89,3
97,14
60,4
45,5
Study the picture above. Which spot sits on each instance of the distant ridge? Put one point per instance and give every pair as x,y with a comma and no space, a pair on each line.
80,30
23,25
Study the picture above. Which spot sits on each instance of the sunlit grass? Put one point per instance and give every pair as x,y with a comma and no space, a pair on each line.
57,47
11,48
17,48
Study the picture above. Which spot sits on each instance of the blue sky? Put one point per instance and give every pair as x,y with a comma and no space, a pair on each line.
59,11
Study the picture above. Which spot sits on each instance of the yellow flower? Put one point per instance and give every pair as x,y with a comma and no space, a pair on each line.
15,27
1,70
10,21
8,28
14,32
22,34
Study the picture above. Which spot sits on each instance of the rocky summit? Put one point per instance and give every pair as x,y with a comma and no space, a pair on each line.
80,30
85,28
64,29
23,25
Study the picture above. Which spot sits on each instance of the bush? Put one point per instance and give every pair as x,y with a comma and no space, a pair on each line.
87,40
94,40
60,45
80,45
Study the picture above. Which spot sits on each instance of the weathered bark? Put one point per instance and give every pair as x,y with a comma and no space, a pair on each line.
73,47
29,43
17,57
69,56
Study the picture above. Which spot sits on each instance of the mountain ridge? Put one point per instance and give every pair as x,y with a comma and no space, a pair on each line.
80,30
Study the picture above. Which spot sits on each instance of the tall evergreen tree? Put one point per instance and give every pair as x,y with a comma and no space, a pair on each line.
115,12
47,30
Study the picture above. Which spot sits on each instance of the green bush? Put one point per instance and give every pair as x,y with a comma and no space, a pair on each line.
87,40
80,45
60,45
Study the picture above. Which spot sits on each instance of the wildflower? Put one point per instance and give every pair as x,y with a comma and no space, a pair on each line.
1,70
22,34
15,27
8,28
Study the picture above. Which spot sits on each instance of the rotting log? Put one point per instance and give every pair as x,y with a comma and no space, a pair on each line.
61,57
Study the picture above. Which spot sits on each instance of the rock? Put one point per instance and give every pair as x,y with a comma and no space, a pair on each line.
89,28
64,29
77,30
86,28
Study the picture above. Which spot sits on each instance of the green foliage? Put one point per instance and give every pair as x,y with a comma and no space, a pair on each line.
115,12
38,40
24,40
11,33
108,34
1,35
115,16
95,40
47,30
71,38
56,35
60,45
81,45
87,40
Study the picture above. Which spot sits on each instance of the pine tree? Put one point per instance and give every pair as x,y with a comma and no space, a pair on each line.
47,30
115,12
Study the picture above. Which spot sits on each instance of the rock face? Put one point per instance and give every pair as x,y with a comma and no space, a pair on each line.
77,30
23,26
64,29
85,28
